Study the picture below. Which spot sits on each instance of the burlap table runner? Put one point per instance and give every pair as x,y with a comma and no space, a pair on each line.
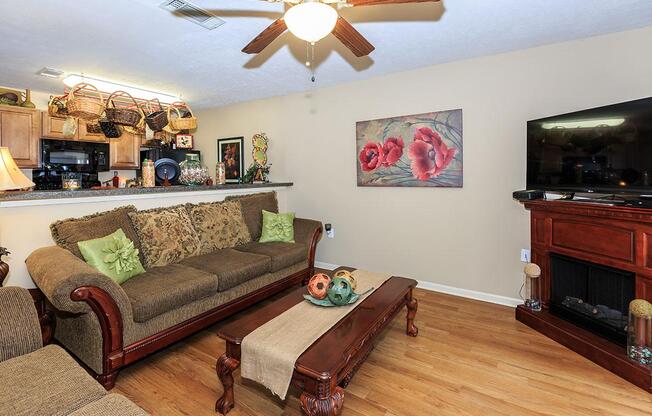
268,354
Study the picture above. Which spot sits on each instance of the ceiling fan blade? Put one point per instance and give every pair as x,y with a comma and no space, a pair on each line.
266,37
351,38
381,2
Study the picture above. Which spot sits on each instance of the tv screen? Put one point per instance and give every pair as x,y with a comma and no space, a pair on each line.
605,149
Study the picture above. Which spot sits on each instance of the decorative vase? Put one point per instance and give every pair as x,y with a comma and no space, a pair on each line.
639,332
28,99
192,173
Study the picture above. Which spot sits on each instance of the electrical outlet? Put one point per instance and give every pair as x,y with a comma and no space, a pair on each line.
525,255
330,233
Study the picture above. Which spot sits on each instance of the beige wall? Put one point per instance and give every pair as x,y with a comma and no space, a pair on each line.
468,238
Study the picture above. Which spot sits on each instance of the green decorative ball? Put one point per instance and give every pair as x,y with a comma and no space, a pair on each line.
340,291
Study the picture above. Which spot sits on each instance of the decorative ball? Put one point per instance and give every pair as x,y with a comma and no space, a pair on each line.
318,285
339,291
344,274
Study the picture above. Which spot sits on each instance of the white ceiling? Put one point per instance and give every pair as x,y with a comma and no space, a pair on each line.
137,43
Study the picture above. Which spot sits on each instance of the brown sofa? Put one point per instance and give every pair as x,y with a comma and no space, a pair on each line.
108,326
37,380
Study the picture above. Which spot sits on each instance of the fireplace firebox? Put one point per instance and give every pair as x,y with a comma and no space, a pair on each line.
592,296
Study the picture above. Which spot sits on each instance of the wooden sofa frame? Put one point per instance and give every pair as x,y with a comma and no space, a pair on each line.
116,355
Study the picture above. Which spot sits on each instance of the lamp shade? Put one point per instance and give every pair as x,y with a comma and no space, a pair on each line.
11,178
310,21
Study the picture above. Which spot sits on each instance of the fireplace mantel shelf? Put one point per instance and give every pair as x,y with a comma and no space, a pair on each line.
614,236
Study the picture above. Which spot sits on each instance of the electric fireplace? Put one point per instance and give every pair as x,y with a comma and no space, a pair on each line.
592,296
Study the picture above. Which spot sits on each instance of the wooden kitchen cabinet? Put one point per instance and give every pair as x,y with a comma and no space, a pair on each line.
125,151
19,131
52,127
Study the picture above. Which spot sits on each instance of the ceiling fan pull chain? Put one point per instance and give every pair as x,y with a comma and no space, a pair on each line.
312,60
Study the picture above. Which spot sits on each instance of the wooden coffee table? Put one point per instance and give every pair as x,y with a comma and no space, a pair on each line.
327,366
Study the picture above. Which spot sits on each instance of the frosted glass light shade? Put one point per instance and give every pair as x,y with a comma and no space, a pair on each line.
11,178
311,21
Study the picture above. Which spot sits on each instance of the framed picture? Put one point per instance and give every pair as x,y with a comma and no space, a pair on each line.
184,141
421,150
230,152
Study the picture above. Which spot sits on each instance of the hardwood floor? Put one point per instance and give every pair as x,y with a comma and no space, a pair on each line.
470,358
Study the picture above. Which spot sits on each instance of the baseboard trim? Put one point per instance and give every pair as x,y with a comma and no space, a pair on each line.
327,266
450,290
470,294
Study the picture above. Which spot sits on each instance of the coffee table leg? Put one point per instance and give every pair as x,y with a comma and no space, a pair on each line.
225,367
412,305
329,406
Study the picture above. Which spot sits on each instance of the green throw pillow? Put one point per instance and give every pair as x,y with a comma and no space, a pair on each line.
113,255
277,227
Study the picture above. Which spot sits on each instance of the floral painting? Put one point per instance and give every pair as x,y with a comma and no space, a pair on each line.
418,150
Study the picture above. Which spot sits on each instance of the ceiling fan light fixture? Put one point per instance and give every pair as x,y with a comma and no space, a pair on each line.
311,21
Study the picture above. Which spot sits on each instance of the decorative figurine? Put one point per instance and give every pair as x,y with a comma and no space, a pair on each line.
345,274
318,285
258,171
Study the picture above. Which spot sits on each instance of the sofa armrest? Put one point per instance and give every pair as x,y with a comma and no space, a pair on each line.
20,332
59,274
308,232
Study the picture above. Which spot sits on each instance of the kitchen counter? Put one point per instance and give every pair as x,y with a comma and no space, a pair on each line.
57,197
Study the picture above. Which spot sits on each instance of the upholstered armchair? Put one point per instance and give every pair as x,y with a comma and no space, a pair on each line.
38,380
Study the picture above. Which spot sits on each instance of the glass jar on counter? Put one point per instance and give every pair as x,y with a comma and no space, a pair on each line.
639,332
192,172
71,181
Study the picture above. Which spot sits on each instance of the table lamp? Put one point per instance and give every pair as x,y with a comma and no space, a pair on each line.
11,178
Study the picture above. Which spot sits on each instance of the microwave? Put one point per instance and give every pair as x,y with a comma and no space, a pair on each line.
74,156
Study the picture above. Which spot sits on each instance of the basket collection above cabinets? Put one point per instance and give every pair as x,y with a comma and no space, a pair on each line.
121,111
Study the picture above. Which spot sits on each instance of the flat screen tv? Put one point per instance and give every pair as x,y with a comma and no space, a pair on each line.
605,149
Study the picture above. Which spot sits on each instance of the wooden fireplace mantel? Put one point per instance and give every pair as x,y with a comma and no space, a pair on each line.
614,236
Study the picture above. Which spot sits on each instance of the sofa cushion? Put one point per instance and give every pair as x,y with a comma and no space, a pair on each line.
166,235
45,382
110,405
282,254
66,233
219,225
115,256
252,209
161,289
232,267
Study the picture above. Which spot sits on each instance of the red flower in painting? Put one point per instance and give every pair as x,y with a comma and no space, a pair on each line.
392,150
371,156
429,154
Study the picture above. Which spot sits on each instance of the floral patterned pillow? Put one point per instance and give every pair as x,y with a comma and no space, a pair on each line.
219,225
166,235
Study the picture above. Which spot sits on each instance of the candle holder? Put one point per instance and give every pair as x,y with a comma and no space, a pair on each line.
71,181
639,332
532,285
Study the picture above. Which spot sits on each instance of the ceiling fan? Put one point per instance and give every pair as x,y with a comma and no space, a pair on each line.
312,20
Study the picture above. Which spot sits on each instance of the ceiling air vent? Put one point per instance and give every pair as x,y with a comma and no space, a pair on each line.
193,13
